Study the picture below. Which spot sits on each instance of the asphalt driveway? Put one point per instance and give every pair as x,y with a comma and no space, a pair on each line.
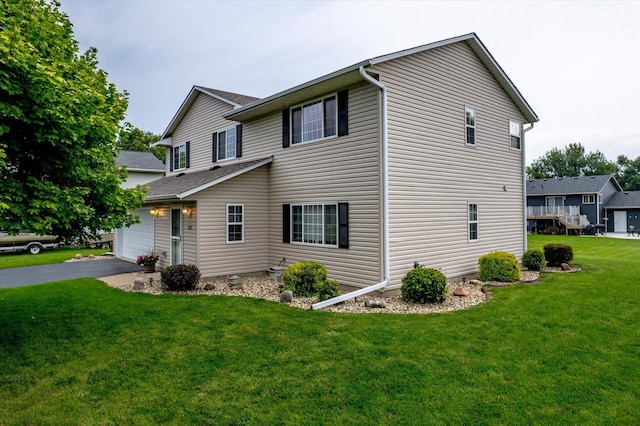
28,275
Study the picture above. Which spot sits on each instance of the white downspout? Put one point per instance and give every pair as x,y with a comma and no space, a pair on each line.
524,185
385,206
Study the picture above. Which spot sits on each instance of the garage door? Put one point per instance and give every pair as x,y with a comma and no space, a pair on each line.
137,239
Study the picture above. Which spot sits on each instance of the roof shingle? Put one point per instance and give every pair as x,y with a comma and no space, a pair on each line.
624,199
568,185
140,161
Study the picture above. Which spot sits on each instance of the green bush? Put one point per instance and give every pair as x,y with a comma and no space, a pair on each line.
304,277
424,285
328,289
533,259
556,254
180,277
499,266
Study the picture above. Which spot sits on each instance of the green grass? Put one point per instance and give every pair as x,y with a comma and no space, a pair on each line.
566,351
45,257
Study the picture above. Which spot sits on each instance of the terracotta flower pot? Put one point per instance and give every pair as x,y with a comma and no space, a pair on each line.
149,267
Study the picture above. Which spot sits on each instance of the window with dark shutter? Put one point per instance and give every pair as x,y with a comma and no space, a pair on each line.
343,113
343,225
239,140
285,128
214,148
188,154
171,159
286,223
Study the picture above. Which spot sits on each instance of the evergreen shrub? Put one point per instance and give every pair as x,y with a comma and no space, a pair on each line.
499,266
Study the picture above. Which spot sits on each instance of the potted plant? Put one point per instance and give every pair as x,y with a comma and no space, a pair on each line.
148,260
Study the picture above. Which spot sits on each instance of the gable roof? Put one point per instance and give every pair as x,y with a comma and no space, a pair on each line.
234,99
351,74
570,185
183,185
137,161
628,199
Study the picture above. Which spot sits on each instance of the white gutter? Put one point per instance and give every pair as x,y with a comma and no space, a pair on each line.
524,185
385,205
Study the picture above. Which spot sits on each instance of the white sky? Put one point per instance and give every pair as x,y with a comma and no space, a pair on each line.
576,62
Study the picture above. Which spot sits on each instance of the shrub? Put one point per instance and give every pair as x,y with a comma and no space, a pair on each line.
424,285
533,259
556,254
304,277
328,289
180,277
499,266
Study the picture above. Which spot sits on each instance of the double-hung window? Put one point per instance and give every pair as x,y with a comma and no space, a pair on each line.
588,199
472,221
227,144
515,134
314,120
180,157
470,125
235,223
314,224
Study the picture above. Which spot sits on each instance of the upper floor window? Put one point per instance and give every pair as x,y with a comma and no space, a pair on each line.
515,134
472,221
470,124
600,198
588,199
180,157
227,144
314,120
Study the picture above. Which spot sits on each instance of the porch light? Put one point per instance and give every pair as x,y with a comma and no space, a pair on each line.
154,211
187,211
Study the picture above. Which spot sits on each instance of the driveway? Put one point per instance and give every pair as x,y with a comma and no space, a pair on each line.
28,275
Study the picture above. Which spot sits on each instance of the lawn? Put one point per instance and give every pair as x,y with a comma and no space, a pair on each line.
45,257
566,351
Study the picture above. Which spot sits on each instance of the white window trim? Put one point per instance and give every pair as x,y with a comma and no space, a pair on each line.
585,197
308,102
176,157
477,222
474,126
323,204
226,212
218,160
600,199
519,123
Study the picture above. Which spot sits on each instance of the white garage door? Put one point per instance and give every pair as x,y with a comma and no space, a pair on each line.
137,239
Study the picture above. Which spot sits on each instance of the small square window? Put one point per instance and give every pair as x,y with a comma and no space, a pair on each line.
588,199
515,134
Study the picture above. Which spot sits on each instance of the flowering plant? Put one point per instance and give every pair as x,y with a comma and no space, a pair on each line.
150,258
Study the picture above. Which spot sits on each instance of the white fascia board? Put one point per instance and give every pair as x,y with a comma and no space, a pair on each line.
154,171
162,197
224,178
162,142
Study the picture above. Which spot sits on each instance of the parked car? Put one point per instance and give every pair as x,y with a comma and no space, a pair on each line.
26,241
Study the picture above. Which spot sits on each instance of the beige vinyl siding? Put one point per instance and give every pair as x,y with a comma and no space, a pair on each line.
215,256
189,234
340,169
161,230
202,119
433,174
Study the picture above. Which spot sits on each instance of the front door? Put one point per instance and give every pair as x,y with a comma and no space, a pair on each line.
176,236
619,221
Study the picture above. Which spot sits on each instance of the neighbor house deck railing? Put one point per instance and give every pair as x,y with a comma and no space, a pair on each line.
553,211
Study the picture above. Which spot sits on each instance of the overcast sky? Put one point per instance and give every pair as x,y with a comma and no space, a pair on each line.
577,63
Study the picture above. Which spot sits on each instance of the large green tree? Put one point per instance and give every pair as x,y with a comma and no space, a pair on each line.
570,161
133,139
629,174
59,117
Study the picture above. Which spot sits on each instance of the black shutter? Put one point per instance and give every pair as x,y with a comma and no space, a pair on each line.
286,130
188,151
286,223
170,158
214,148
343,113
239,140
343,225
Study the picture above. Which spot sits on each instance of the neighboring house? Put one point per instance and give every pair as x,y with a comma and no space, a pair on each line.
142,168
623,211
411,156
569,203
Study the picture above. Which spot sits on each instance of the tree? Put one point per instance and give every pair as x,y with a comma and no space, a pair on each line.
629,173
133,139
571,161
58,122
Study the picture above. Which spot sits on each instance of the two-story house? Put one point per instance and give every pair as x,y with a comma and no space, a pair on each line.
415,156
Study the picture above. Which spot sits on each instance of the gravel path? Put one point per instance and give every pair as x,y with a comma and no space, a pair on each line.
262,287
